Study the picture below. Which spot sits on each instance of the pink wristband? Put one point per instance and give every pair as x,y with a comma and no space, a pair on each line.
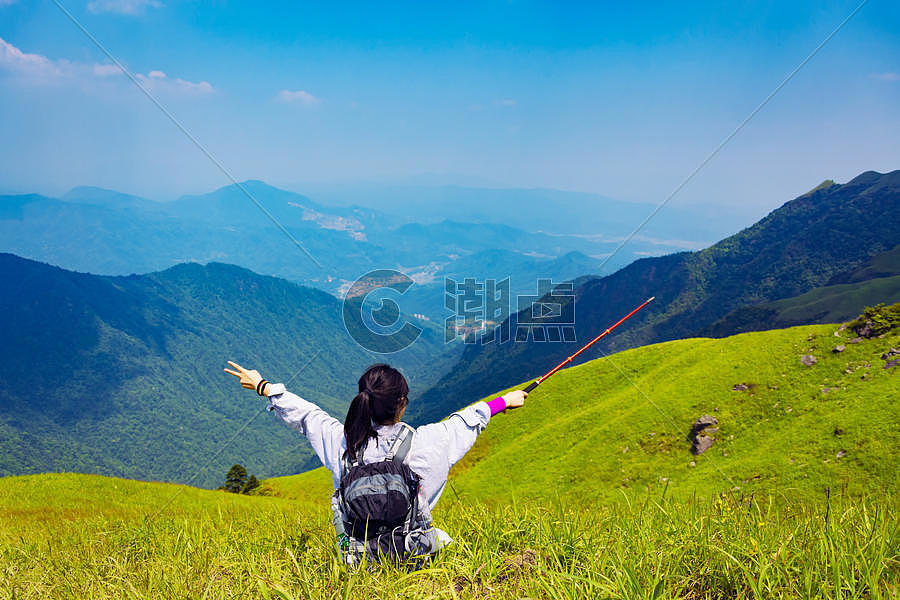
497,405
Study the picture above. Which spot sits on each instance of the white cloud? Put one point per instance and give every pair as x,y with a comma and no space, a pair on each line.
202,87
887,76
13,59
505,102
299,96
38,69
159,82
106,70
122,7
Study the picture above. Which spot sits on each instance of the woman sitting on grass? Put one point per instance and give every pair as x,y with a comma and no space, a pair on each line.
387,476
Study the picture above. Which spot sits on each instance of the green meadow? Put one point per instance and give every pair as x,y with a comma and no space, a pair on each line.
590,491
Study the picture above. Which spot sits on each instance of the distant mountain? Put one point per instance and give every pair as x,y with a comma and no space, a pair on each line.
109,233
800,246
99,236
535,210
106,232
123,375
97,196
223,207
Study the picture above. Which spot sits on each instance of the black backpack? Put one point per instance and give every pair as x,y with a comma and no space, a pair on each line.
376,506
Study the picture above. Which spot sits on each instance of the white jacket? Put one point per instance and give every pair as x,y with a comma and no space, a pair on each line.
436,447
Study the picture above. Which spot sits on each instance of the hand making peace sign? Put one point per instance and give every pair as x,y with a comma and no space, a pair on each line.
249,379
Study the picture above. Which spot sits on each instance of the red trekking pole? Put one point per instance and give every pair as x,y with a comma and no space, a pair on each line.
542,378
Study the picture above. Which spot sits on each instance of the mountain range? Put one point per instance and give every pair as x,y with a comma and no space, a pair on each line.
122,375
819,237
548,210
282,233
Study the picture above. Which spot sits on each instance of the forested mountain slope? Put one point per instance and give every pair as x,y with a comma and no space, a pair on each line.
123,375
802,245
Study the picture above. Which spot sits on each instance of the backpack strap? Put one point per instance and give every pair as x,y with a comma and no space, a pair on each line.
347,464
399,449
401,446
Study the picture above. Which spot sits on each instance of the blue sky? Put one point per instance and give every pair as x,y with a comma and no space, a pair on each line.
620,100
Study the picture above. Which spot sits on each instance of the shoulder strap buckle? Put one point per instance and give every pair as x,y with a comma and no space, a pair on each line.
401,446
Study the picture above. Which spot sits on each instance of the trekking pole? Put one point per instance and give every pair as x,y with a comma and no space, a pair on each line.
542,378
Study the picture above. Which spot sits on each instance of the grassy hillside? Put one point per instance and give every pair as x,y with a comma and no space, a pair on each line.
798,247
587,492
621,423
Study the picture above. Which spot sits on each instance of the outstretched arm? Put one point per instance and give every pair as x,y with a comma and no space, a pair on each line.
324,432
439,446
464,426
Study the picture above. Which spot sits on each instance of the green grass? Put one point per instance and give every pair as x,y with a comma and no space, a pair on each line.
68,536
548,504
621,422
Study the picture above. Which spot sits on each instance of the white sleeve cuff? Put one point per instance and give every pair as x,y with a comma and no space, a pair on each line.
475,416
275,389
272,390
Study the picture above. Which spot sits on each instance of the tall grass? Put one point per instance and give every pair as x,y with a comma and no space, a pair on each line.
616,507
66,539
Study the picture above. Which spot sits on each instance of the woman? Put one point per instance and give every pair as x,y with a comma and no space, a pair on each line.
372,433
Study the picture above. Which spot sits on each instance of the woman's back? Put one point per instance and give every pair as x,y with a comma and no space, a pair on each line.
370,430
436,447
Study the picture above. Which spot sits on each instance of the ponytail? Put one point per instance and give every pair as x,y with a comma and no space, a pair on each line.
381,398
358,425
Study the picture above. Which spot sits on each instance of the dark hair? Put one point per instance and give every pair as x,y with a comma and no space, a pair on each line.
381,397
